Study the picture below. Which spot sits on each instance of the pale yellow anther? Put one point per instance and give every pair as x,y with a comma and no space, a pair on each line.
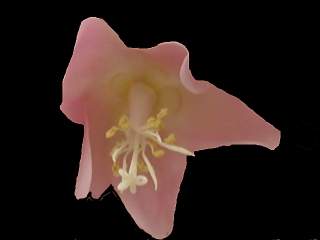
163,112
156,122
142,167
150,120
115,169
111,132
153,123
123,122
171,139
158,153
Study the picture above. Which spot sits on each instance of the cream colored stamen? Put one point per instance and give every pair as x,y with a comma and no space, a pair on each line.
135,143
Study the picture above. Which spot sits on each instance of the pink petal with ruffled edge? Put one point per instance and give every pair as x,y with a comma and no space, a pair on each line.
224,121
209,117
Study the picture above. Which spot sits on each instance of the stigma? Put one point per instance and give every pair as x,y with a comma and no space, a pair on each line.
130,159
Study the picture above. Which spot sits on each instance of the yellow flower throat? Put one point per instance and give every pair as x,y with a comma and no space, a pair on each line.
134,145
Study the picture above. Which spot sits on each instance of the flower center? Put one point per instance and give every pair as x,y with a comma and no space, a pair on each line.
134,145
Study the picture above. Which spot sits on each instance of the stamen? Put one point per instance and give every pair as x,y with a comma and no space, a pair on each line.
176,149
123,122
135,143
124,161
115,169
163,112
156,153
153,135
111,132
171,139
153,123
118,150
134,161
151,170
142,167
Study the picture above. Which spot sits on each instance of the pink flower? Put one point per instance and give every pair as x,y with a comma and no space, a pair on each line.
143,113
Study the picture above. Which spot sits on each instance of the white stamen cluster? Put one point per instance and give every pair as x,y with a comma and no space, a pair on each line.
135,145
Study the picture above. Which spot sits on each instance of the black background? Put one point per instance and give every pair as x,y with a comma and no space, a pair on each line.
264,55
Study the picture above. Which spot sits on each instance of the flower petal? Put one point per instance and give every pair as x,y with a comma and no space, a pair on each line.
153,211
85,168
225,121
169,55
94,51
100,119
218,118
